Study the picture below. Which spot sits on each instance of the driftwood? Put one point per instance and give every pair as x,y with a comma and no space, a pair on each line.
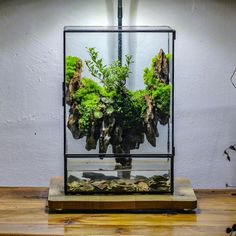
73,86
93,136
150,121
162,67
106,132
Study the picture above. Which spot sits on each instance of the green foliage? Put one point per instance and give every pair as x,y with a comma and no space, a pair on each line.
139,102
112,76
96,101
130,107
98,114
159,91
70,67
149,77
109,109
87,104
93,102
112,98
161,96
168,56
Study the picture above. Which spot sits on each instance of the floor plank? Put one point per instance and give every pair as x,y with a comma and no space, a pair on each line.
22,212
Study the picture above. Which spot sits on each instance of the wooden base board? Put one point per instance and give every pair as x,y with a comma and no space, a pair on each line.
183,198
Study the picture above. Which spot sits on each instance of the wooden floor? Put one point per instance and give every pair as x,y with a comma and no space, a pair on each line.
22,212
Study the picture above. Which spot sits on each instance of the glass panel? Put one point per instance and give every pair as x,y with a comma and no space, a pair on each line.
136,134
93,175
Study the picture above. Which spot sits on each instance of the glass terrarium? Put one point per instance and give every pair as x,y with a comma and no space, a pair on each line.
118,110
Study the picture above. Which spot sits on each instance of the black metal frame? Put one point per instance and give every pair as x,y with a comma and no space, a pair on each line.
119,30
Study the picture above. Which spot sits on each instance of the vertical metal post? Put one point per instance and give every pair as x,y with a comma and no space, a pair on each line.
120,16
64,104
173,89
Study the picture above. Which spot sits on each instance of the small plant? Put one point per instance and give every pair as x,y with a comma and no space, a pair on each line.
113,76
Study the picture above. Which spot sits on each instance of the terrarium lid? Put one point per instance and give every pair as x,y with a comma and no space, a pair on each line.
160,29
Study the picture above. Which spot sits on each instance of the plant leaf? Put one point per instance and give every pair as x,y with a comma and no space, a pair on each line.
109,109
98,114
106,100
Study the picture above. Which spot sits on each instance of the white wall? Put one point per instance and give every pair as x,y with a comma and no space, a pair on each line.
31,115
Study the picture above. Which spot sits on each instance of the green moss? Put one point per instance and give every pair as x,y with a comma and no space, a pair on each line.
70,67
149,77
93,102
139,101
168,56
161,96
159,90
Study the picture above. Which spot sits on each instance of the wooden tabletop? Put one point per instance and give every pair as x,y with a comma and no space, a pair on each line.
22,212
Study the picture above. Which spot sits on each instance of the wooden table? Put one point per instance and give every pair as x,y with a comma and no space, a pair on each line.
22,212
